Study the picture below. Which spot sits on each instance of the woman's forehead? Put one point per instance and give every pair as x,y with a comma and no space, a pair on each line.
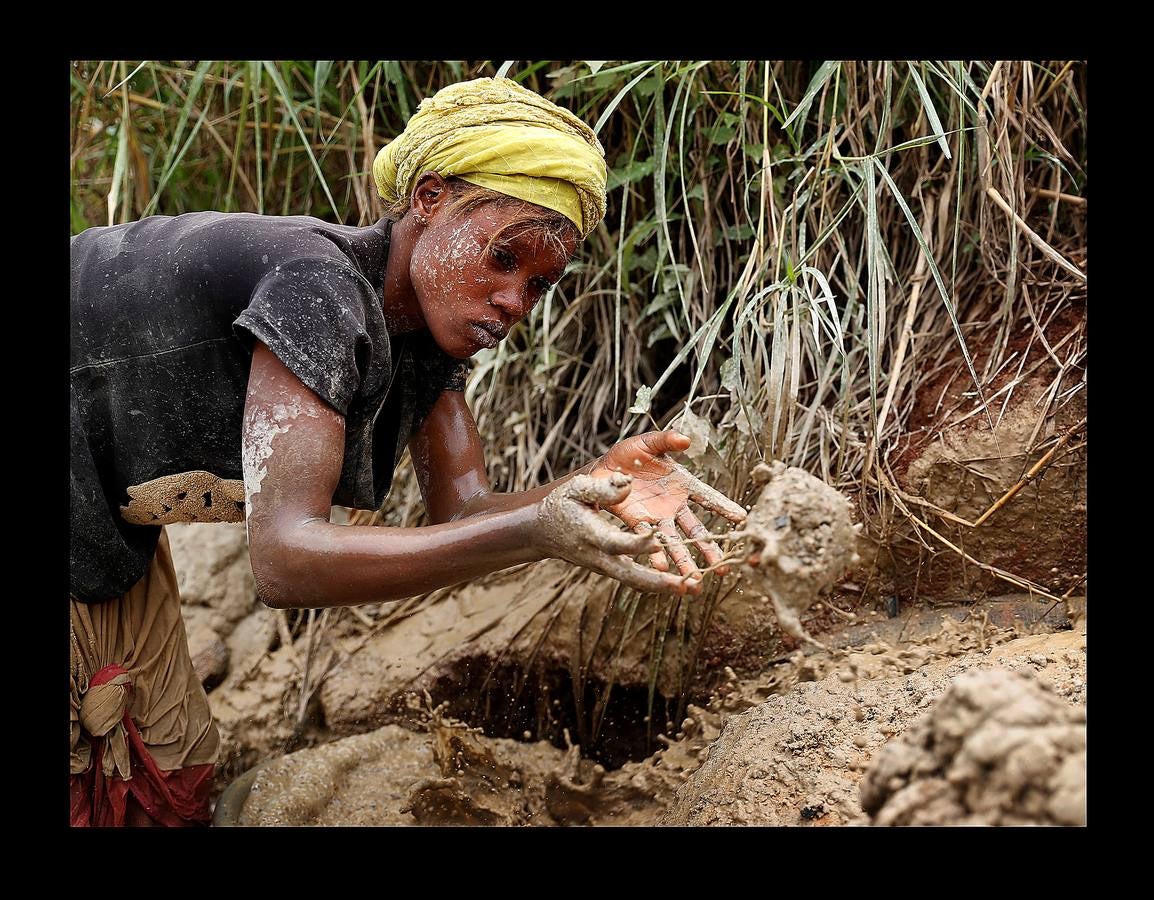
549,247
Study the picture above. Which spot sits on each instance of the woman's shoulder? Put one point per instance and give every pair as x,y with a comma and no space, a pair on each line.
229,226
226,245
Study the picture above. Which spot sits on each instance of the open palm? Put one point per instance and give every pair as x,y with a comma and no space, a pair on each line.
662,489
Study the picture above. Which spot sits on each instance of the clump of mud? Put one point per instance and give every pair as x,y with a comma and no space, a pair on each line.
997,749
803,540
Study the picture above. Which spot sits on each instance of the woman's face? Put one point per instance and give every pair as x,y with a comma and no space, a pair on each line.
472,293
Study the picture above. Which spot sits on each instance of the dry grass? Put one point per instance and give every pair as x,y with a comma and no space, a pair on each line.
793,251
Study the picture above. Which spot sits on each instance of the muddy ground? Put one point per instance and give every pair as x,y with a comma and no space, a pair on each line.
548,695
790,743
793,747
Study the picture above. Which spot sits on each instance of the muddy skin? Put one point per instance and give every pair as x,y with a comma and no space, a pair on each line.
803,540
568,528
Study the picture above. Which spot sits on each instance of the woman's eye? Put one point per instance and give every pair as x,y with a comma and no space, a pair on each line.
504,258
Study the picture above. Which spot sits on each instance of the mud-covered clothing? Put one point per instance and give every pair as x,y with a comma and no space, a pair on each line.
164,315
140,720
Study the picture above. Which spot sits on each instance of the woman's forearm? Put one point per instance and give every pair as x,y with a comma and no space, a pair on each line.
492,501
318,564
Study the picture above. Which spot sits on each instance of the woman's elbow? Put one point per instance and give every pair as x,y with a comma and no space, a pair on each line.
276,587
271,589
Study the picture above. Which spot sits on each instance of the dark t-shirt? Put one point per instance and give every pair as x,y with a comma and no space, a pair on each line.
164,313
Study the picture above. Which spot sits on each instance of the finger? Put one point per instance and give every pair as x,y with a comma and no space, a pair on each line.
606,537
641,578
713,499
676,548
599,491
659,442
656,558
640,515
633,511
691,525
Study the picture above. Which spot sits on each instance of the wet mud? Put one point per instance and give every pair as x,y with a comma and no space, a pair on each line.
459,709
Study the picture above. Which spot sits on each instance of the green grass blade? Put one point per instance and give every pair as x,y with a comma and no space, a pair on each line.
287,98
931,111
172,160
875,289
118,169
613,104
125,79
920,238
818,81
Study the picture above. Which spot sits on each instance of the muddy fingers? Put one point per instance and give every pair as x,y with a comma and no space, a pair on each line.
605,537
713,499
676,548
570,529
657,558
640,578
698,533
598,491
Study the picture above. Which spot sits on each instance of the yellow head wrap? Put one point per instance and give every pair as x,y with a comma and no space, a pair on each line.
496,134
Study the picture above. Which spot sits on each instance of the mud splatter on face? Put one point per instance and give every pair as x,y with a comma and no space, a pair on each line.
469,287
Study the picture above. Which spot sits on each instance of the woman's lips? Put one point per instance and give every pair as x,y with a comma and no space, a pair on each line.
486,338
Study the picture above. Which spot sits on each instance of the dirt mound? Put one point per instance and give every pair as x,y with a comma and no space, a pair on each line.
448,774
545,634
796,758
962,461
997,749
799,757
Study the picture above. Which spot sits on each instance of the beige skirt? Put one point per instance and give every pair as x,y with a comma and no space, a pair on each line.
143,633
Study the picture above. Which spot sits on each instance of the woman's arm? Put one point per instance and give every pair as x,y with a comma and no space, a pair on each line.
449,460
450,464
292,451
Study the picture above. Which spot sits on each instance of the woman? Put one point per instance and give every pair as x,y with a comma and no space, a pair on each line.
229,366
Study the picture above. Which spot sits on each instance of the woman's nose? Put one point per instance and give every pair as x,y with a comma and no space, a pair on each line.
510,299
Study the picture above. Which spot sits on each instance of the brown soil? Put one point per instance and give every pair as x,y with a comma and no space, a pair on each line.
799,757
997,749
791,747
527,697
962,460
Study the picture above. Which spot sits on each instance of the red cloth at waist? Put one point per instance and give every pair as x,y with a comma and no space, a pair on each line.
174,799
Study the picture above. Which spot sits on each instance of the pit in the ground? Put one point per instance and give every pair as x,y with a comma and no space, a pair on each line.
613,724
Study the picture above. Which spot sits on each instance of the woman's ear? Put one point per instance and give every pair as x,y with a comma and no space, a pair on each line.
430,191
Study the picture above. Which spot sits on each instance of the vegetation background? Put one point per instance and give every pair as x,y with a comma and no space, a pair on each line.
794,250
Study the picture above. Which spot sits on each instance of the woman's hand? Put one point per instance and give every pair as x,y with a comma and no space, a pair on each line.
660,497
569,528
